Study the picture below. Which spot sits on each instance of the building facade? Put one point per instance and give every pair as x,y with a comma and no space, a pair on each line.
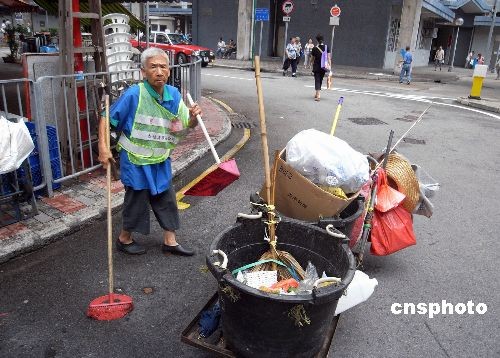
370,33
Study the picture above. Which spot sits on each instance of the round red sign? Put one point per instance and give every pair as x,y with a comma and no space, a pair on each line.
335,11
287,7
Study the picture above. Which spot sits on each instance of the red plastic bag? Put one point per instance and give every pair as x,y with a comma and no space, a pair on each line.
391,231
387,197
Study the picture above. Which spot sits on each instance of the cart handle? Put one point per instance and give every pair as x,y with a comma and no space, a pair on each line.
326,279
224,259
250,216
330,229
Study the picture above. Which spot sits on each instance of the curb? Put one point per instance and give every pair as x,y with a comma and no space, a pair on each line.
479,105
387,77
37,234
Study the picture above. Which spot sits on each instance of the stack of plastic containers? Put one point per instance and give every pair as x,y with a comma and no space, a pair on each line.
118,47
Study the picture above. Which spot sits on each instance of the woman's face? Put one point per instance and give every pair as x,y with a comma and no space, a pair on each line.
310,41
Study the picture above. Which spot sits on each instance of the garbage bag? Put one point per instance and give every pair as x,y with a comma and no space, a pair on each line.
428,187
391,231
15,144
327,160
387,197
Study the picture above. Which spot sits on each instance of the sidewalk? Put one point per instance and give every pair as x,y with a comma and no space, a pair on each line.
419,74
79,202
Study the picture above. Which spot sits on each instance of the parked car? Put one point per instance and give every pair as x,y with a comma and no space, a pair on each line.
181,48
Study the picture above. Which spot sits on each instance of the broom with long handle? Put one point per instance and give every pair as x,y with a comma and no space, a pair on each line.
225,173
273,253
112,305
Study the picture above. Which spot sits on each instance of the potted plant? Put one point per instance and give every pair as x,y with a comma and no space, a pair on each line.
13,42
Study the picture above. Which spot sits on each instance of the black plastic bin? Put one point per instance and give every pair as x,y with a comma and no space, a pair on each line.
344,222
259,324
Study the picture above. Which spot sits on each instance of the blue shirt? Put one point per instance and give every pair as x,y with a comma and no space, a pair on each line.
407,58
156,177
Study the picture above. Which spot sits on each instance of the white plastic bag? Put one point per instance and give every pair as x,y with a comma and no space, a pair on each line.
15,144
327,160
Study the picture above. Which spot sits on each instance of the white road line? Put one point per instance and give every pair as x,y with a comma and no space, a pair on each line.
410,97
234,78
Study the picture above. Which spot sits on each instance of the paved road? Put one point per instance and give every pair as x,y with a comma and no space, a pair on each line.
44,294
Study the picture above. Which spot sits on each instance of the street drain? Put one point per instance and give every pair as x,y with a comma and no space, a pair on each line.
407,118
248,125
367,121
413,140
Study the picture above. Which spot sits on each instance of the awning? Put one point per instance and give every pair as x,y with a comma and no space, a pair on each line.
11,6
469,6
107,8
437,8
485,21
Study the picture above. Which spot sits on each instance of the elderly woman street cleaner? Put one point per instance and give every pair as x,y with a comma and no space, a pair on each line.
152,118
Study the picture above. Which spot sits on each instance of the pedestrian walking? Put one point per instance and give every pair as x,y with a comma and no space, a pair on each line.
469,60
497,68
290,58
299,49
307,53
406,66
318,70
439,58
152,118
480,59
221,48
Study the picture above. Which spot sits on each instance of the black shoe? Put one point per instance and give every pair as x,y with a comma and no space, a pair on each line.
294,75
132,249
284,73
176,250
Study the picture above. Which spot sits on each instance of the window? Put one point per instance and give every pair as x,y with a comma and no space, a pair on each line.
154,27
163,28
161,39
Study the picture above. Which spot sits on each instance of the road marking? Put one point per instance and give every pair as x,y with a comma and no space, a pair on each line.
227,108
410,97
234,78
229,154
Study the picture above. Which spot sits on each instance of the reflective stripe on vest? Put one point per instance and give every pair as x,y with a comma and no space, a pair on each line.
126,144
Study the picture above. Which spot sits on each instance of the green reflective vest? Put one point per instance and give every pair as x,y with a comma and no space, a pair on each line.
155,131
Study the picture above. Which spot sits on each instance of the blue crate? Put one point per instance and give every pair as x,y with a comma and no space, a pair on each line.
34,159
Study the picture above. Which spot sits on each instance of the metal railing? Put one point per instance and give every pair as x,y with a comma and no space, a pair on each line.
68,108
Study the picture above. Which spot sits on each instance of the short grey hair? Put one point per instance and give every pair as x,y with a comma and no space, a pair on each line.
152,52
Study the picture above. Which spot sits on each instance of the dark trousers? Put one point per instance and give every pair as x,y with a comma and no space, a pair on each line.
318,80
288,62
136,210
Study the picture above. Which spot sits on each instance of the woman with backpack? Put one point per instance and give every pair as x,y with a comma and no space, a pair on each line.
320,55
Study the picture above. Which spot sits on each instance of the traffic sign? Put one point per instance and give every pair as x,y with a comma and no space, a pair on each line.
261,14
286,18
287,7
335,11
334,21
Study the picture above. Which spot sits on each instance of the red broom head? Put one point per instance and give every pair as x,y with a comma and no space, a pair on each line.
110,307
215,181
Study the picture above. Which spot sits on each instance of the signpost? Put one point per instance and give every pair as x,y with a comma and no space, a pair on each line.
334,21
286,8
261,14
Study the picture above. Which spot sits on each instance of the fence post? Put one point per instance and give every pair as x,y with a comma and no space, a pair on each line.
43,141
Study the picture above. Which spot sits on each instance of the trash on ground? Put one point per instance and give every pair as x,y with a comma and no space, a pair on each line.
209,321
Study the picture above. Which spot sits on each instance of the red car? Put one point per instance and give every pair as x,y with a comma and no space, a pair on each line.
181,48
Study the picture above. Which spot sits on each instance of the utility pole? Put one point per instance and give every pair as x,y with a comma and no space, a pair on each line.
488,56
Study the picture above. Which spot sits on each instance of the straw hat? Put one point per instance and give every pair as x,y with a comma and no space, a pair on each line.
399,170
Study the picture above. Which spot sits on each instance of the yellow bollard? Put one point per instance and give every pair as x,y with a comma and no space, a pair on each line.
477,81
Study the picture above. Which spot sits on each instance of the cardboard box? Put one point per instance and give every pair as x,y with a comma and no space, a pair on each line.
297,197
